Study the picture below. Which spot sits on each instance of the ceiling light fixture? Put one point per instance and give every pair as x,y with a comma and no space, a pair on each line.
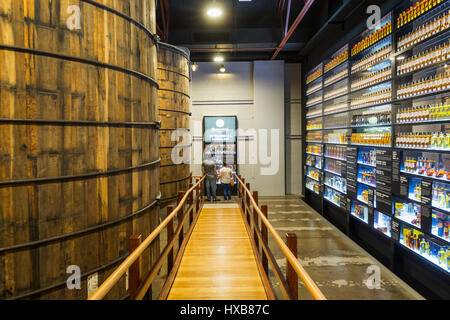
214,12
194,67
222,69
400,58
218,59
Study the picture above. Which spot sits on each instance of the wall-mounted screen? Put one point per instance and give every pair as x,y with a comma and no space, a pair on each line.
220,129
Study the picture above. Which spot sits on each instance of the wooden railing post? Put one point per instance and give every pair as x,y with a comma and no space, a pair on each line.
256,219
169,239
180,216
247,198
197,193
243,194
291,276
190,202
134,277
265,261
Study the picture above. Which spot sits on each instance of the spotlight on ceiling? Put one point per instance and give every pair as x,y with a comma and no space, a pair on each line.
400,57
218,59
222,69
194,67
214,12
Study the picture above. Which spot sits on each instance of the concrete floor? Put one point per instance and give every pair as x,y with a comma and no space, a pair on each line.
336,264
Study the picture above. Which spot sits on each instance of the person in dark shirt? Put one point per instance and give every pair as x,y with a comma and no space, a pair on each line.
209,169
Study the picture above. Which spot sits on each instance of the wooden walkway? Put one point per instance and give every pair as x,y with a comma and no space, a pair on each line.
218,262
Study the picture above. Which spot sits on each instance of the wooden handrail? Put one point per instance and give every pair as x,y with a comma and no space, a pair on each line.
304,276
109,283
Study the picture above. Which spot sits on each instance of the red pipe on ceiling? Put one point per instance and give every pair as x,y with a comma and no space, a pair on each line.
292,28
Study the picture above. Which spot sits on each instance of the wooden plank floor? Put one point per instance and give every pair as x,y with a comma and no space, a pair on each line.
218,263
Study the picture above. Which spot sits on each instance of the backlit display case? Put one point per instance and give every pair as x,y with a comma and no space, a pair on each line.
441,196
425,246
382,222
407,211
360,211
440,226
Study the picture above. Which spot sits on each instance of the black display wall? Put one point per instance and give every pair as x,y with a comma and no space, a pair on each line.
377,129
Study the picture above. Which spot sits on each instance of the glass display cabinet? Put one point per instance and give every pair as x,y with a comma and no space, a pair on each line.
440,226
360,211
382,222
407,211
425,246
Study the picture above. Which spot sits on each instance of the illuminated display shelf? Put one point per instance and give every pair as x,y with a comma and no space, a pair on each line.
374,210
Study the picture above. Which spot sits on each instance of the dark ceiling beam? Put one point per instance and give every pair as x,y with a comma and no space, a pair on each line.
293,28
189,37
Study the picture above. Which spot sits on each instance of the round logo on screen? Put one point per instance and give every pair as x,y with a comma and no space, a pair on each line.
220,123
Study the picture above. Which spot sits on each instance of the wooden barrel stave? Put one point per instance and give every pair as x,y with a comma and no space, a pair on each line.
174,105
47,88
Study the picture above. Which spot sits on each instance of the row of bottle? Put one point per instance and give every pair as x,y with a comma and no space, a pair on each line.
314,124
315,149
336,108
443,229
425,31
376,139
338,76
339,121
434,112
426,167
314,161
312,101
434,55
414,11
313,113
314,136
373,58
314,174
416,241
336,152
439,82
423,140
336,138
367,175
378,118
416,192
368,157
360,211
336,92
374,97
409,212
440,196
343,56
373,78
314,88
313,76
334,166
313,185
336,182
332,195
372,38
419,165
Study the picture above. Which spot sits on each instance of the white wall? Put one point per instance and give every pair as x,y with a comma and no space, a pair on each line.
252,91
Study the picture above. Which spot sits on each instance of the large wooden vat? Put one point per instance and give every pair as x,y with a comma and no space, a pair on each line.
79,158
173,107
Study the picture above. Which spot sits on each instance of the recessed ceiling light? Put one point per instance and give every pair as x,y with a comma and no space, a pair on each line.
218,59
214,12
222,69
